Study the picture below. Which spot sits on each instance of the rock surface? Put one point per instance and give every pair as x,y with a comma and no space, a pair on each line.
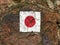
9,22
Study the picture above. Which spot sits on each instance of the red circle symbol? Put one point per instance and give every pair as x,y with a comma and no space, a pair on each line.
30,21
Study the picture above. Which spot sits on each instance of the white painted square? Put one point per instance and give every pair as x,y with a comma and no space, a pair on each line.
36,15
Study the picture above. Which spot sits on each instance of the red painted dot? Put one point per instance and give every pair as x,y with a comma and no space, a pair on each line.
29,21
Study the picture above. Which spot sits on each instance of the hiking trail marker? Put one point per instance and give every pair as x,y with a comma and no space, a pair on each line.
30,21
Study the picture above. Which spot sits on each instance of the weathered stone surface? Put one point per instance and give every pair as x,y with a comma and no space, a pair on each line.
9,22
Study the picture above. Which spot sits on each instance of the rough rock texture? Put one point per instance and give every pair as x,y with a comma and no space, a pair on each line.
9,22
